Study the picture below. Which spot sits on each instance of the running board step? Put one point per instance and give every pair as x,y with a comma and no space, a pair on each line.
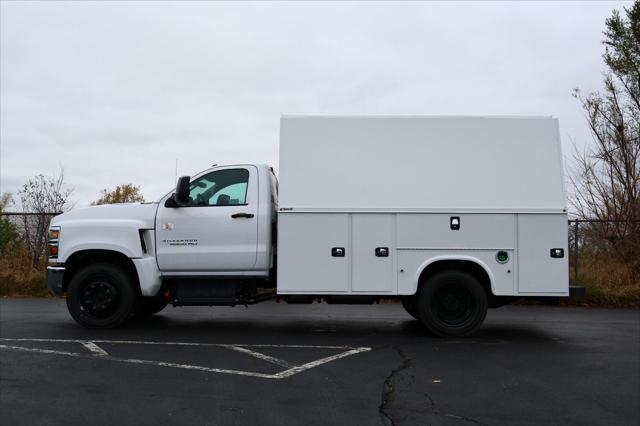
208,292
204,301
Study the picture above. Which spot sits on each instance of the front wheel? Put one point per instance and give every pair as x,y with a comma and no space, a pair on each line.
452,304
101,296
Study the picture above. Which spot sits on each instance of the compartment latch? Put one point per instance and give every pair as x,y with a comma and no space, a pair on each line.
382,251
337,251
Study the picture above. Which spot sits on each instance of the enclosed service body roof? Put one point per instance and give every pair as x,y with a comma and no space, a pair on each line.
421,163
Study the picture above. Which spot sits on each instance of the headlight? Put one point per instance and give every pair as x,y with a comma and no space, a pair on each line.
54,233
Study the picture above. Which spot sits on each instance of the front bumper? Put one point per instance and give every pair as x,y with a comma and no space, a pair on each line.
54,279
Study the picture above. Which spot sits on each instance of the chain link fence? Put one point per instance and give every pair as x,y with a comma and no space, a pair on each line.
22,221
30,230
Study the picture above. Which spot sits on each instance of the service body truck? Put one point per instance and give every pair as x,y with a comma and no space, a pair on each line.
449,215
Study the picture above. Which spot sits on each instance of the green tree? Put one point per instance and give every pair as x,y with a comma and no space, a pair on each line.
8,232
606,176
126,193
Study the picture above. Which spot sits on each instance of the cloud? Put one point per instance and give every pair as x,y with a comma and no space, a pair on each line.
116,92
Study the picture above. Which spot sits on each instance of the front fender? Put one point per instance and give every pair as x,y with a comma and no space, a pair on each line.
122,236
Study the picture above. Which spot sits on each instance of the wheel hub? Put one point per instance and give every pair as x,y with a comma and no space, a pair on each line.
452,305
98,298
451,302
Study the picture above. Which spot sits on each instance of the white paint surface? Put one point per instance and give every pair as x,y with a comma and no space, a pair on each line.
370,273
305,261
538,272
99,353
217,242
95,349
424,163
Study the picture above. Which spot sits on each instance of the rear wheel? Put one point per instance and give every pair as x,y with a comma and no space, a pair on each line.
101,296
452,304
409,304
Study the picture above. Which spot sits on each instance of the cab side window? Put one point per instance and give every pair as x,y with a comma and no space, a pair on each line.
220,188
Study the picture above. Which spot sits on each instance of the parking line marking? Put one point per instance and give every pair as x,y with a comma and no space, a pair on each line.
151,342
95,349
295,370
42,351
264,357
143,361
99,353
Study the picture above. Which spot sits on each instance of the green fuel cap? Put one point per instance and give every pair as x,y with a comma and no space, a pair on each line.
502,256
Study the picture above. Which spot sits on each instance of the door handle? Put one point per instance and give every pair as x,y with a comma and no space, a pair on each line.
237,215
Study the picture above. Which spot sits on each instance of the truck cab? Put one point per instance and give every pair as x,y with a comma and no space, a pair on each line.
215,247
225,226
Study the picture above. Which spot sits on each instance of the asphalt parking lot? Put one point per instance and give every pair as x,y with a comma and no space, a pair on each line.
317,365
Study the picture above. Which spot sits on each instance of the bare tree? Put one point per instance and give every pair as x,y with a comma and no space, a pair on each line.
606,175
6,200
41,196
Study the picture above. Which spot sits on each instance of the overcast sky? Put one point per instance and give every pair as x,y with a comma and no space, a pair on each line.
116,92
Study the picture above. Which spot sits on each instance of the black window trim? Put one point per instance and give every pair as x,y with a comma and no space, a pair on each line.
225,205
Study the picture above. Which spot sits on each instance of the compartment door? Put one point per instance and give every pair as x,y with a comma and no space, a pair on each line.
373,271
306,263
538,271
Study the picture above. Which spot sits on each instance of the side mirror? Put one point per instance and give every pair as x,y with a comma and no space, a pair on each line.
181,197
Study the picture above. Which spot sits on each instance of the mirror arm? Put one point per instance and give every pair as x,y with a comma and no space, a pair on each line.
171,202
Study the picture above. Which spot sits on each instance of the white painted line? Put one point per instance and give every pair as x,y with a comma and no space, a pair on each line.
264,357
143,361
42,351
150,342
95,349
295,370
99,353
294,346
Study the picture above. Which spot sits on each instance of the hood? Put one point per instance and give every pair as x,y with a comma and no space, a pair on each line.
144,213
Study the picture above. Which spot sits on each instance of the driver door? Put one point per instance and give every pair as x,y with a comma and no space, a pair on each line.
218,230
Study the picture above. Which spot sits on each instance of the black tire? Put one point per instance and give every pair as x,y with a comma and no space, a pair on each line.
101,296
452,304
148,306
409,305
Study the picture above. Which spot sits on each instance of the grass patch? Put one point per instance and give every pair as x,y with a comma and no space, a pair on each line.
27,284
608,283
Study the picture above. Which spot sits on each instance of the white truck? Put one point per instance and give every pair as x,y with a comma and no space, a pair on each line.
449,215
